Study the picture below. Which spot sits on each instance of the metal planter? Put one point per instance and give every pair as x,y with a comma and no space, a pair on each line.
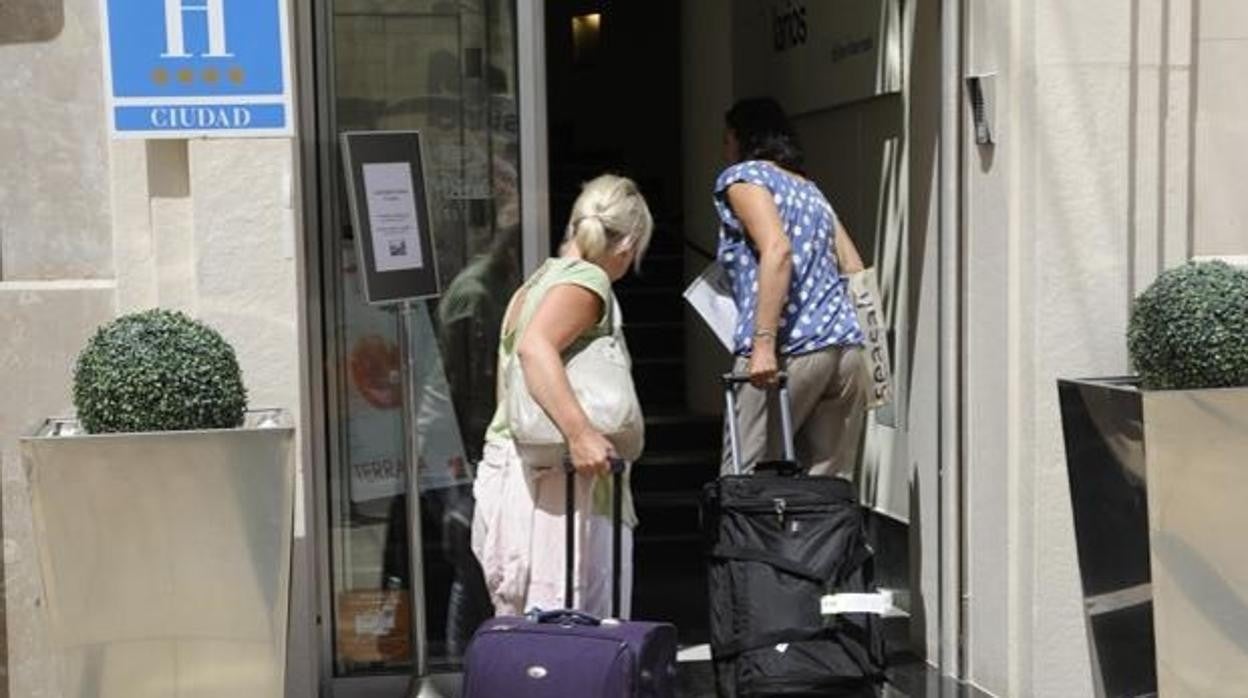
166,557
1159,487
1198,523
1103,425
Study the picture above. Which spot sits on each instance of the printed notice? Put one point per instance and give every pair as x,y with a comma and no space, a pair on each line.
711,295
392,216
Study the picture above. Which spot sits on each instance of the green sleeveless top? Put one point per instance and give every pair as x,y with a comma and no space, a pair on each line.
554,272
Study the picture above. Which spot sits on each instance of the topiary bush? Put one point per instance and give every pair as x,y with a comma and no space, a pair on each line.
1189,330
158,370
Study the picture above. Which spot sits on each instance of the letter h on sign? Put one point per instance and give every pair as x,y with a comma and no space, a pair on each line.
175,39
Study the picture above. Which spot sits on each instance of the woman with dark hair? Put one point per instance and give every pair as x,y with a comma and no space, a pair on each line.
757,129
786,254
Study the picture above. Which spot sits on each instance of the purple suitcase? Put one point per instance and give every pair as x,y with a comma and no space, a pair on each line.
567,653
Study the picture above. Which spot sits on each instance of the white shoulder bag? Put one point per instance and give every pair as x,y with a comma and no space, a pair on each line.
600,374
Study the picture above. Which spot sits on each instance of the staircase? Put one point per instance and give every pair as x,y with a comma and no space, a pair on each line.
682,450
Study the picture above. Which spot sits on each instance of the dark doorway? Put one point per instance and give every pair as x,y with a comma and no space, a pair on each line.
613,101
614,105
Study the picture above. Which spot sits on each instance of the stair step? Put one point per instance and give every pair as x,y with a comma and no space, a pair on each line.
684,472
668,519
660,310
664,240
667,433
655,338
651,293
667,500
657,394
659,368
657,269
660,380
646,537
655,458
658,360
667,570
680,417
652,302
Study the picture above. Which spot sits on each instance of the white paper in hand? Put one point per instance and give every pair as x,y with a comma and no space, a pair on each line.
711,295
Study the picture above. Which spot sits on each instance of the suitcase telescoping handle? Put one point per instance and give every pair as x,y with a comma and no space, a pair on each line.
617,516
731,381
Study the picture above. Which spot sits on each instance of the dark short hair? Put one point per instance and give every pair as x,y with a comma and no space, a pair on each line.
764,132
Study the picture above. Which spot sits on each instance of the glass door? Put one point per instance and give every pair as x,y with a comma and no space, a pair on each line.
448,69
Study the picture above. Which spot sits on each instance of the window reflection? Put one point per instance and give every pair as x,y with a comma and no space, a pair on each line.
447,69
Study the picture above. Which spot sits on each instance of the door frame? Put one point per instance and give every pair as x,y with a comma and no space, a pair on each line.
534,136
317,158
318,170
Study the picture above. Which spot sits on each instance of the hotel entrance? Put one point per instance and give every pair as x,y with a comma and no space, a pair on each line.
450,71
518,103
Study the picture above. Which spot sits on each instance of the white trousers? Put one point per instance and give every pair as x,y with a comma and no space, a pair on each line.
519,536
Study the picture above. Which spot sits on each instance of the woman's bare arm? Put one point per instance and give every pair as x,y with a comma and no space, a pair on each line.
848,259
754,207
564,314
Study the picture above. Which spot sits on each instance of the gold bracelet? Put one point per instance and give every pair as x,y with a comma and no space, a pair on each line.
765,333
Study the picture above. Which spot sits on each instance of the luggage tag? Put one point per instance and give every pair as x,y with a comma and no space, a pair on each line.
836,604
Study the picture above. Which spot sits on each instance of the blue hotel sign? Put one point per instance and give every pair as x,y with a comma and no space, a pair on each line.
193,68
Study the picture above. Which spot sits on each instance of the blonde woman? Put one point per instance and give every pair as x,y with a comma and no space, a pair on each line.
518,529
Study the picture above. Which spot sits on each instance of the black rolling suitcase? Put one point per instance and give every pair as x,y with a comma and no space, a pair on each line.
790,571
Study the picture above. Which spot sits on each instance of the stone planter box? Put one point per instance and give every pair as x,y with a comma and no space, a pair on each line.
1159,487
165,557
1104,433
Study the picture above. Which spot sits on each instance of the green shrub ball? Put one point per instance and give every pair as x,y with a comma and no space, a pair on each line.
158,370
1189,330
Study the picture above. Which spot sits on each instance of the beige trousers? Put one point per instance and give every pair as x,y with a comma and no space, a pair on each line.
828,393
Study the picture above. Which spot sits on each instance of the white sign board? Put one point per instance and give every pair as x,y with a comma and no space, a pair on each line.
392,216
816,54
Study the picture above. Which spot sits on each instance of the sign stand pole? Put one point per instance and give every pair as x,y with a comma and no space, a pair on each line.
400,269
411,450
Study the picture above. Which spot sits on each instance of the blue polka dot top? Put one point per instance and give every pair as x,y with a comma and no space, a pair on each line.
818,312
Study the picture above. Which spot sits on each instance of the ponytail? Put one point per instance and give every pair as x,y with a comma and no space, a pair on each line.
590,236
609,213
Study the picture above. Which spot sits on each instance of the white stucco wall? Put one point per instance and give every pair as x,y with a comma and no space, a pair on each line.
1121,134
90,228
56,266
54,179
1220,215
45,323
